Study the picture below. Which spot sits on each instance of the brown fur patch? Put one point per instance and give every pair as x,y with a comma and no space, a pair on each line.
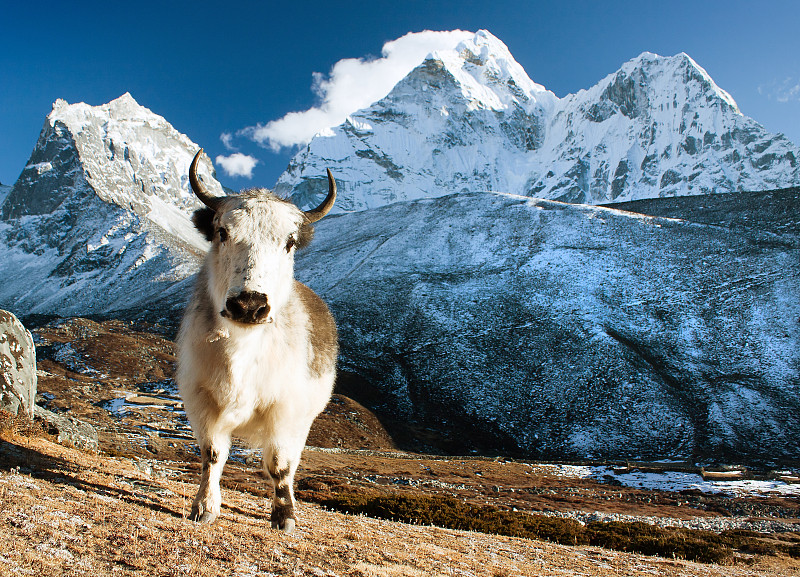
283,492
305,235
322,331
212,455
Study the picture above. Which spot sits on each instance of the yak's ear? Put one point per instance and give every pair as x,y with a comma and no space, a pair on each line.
304,236
203,219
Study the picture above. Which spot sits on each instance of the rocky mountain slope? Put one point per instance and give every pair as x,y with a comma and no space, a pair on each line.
99,219
470,119
533,327
4,191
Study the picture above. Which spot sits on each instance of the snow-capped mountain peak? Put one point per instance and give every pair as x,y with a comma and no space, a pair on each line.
123,109
654,83
470,119
103,202
488,74
692,71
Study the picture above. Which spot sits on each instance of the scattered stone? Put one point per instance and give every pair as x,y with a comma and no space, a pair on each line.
715,524
70,431
153,401
150,467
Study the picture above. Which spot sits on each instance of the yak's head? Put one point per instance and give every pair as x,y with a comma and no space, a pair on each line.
253,237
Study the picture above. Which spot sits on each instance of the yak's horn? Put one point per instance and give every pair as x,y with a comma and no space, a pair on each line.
199,189
315,214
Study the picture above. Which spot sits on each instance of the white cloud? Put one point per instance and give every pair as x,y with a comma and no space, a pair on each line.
786,90
789,92
237,164
353,84
227,140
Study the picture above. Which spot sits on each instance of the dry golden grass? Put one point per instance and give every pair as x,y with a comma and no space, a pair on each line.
64,512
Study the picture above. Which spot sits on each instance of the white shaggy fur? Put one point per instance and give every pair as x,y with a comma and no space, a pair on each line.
263,381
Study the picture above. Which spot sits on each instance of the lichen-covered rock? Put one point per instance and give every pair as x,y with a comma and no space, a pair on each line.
17,366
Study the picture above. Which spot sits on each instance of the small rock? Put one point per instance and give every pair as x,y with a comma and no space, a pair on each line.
71,431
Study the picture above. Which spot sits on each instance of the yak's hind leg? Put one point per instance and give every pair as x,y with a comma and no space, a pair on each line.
280,460
208,502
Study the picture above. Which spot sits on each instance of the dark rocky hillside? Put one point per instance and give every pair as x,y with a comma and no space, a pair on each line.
528,327
775,211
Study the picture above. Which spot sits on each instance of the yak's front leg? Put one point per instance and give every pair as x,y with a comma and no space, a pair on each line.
208,502
280,464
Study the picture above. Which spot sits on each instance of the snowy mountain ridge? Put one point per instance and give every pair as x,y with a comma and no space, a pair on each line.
512,325
470,119
99,219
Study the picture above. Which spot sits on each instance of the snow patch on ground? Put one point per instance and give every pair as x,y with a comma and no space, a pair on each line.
676,481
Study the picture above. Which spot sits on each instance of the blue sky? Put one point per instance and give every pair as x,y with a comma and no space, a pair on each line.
214,68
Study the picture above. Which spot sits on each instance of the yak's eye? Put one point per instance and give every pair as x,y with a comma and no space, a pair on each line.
223,235
290,243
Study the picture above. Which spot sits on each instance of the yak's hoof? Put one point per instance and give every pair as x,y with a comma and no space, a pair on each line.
206,518
283,518
287,525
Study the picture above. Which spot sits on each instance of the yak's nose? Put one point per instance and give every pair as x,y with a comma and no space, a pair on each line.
247,307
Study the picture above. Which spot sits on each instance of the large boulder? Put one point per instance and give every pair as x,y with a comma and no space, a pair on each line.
504,324
18,365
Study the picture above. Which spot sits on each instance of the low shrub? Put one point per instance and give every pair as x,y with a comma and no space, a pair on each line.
690,544
451,513
454,514
13,425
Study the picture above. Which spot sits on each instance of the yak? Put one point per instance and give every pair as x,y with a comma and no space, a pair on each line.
256,348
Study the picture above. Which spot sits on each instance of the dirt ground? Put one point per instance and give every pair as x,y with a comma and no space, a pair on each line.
68,512
123,510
